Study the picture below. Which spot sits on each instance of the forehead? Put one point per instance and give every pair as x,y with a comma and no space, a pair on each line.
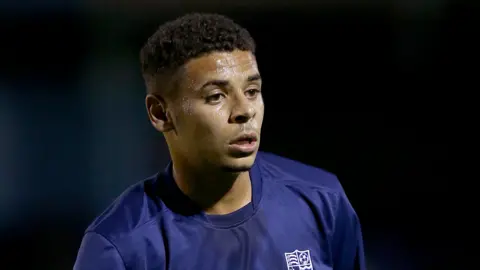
221,65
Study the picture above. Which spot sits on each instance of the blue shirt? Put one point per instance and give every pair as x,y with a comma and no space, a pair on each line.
299,218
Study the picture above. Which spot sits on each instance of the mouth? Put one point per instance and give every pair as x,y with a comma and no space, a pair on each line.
243,145
245,139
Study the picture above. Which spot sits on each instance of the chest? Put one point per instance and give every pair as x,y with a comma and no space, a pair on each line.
249,248
267,241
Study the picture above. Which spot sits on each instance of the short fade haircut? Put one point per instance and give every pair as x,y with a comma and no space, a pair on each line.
188,37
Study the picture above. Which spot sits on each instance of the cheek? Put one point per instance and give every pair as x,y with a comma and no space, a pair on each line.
260,109
219,115
202,122
214,123
261,105
187,106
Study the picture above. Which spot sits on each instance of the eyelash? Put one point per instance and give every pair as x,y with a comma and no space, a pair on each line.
253,91
212,98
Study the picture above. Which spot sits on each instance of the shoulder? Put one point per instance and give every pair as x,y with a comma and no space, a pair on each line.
295,173
134,208
320,188
109,241
315,185
316,188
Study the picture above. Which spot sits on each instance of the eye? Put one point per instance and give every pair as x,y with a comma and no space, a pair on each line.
252,93
215,98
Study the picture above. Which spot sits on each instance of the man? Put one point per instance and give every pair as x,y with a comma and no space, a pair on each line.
220,204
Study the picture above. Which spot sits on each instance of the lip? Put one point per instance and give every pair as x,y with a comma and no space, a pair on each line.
245,136
244,148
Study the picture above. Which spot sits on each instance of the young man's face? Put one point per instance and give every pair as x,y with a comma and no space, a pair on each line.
218,99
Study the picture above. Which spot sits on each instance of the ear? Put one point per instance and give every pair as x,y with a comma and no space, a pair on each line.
157,113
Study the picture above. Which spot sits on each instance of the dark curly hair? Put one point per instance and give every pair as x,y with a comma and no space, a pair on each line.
188,37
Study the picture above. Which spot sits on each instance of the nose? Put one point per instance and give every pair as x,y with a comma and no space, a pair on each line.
242,111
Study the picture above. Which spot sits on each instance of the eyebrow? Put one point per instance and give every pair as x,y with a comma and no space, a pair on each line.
255,77
224,83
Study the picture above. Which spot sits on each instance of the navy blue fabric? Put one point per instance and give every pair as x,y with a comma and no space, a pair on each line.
299,218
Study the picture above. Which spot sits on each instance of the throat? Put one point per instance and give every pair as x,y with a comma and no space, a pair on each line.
237,197
220,195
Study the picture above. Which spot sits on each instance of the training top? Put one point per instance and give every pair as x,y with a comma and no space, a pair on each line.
299,218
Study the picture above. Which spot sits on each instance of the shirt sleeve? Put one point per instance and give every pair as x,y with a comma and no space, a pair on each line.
348,250
96,252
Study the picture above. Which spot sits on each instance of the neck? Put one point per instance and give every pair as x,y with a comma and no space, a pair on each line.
215,191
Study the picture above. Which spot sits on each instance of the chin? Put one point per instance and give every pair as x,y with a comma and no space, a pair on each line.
239,164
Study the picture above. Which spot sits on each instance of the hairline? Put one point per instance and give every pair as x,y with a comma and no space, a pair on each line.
172,76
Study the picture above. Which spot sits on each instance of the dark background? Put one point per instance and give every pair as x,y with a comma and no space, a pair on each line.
370,91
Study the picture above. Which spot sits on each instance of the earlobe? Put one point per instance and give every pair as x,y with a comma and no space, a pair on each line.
158,113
